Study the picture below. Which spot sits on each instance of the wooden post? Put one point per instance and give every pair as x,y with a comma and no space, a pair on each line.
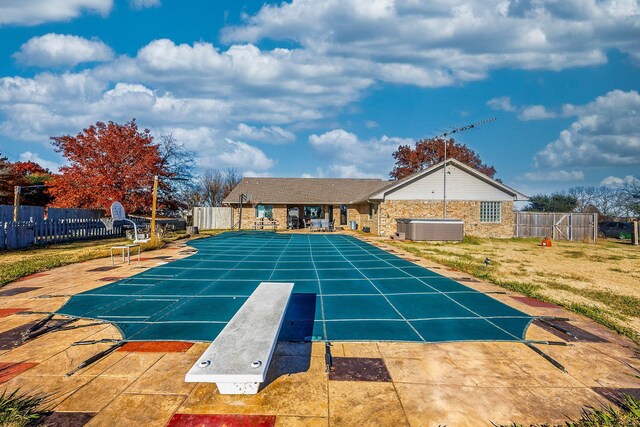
16,203
153,208
634,233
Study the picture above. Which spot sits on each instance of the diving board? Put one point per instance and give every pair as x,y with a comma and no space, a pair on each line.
238,359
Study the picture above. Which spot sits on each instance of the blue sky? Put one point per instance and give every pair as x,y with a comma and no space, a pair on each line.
331,87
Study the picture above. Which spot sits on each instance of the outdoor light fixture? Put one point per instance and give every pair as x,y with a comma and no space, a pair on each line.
487,261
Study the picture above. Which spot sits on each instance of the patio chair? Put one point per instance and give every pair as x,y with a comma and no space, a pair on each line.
324,224
316,224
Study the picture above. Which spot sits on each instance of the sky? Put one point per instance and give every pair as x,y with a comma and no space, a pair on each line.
330,88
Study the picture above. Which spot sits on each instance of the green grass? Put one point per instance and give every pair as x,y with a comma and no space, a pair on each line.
20,263
20,409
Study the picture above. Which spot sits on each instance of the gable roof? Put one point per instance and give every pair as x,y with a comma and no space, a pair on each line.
309,191
394,185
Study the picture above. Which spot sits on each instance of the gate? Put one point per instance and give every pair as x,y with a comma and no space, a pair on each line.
557,225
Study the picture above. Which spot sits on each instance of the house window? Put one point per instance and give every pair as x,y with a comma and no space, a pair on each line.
313,212
490,211
372,210
264,211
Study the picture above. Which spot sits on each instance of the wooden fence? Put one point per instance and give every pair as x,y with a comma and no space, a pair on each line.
27,213
75,213
37,213
21,234
208,218
558,226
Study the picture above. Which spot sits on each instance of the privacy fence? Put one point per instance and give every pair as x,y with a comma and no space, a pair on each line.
581,227
61,225
213,218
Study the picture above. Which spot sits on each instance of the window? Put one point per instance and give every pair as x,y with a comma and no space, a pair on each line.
490,212
313,212
264,211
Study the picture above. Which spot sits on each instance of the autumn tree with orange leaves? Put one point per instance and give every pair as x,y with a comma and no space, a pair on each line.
107,163
429,152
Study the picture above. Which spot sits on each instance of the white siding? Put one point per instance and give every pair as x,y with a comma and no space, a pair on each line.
460,186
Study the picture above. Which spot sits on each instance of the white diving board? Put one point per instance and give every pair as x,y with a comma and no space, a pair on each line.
238,359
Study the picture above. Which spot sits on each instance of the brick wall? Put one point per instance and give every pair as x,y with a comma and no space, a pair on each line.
249,216
360,213
468,211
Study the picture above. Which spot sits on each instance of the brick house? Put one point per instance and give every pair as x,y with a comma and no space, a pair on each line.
484,204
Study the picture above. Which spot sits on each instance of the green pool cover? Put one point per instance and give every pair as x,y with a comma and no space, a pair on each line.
345,290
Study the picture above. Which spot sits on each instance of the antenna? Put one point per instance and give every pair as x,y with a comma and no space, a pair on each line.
463,128
444,168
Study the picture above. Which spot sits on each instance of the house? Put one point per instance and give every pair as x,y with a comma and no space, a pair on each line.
484,204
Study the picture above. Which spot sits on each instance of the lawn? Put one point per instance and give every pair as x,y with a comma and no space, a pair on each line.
20,263
598,280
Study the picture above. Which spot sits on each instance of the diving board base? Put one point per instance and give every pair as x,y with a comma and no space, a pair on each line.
238,388
238,359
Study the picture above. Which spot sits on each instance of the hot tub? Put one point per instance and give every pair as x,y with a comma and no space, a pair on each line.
431,229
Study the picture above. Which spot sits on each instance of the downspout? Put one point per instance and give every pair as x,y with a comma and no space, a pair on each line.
379,207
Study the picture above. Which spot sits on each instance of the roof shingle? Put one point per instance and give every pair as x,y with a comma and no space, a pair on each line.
328,191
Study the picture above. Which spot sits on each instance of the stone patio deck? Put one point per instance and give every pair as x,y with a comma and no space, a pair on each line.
377,384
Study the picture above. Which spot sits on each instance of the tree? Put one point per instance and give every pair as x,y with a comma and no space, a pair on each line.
631,191
610,202
174,192
215,185
32,174
429,152
556,202
107,163
8,180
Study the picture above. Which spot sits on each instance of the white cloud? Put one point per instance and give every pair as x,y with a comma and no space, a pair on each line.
446,42
551,176
535,112
352,157
502,103
525,112
215,151
270,134
614,181
54,50
34,12
371,124
35,157
183,86
606,132
144,4
243,156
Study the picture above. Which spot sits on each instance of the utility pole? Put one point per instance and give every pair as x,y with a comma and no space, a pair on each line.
444,168
16,203
153,208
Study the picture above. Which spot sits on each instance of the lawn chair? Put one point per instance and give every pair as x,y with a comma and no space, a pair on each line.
316,224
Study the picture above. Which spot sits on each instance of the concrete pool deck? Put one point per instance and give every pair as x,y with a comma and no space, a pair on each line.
468,383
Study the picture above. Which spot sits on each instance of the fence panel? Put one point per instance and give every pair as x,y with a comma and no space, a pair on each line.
17,235
208,218
557,225
76,213
27,213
